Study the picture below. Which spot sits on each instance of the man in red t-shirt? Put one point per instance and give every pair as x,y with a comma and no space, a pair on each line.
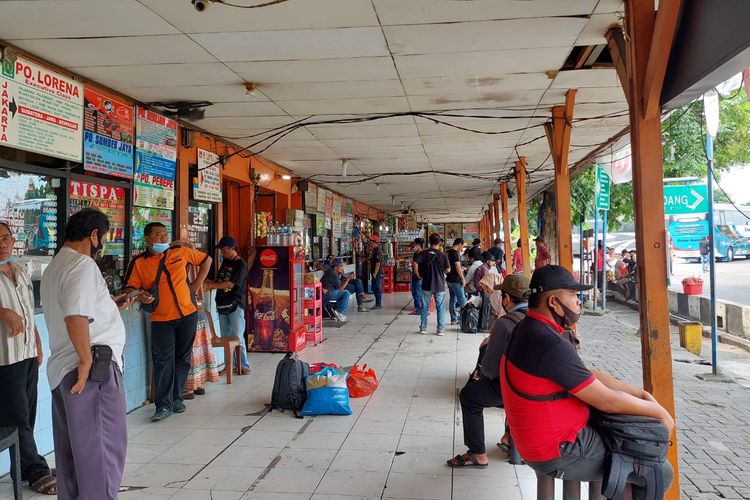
542,254
554,436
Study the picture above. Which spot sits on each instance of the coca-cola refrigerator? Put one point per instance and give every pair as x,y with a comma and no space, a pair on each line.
276,287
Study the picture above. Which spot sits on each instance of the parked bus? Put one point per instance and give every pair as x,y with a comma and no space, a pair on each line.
732,230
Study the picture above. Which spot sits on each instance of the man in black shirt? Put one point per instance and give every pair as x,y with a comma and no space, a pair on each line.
376,270
231,291
333,289
432,265
455,281
416,283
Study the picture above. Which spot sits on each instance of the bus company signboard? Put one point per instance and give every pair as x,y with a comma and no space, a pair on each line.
691,199
602,189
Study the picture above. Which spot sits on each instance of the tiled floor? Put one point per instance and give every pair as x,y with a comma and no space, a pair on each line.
394,446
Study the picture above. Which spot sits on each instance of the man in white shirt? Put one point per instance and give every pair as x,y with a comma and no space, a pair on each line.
88,399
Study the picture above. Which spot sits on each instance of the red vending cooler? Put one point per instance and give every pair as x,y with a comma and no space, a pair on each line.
276,287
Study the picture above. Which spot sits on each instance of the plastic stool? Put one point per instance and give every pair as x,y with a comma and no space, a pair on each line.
9,441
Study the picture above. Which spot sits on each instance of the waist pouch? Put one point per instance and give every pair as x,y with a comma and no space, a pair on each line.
101,360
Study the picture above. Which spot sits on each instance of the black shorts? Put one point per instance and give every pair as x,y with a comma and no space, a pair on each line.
584,459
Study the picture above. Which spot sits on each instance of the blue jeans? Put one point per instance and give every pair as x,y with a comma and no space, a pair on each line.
233,325
705,262
439,307
416,293
457,296
341,297
356,287
377,289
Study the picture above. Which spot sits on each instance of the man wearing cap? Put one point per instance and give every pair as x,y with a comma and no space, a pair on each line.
542,254
498,252
552,430
483,390
376,270
334,289
230,286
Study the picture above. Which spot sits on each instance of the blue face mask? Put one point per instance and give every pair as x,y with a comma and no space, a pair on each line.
3,262
159,247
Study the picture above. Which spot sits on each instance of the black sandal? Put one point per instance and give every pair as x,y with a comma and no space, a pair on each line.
468,459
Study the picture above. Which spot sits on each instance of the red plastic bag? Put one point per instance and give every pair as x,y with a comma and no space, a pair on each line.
316,367
362,382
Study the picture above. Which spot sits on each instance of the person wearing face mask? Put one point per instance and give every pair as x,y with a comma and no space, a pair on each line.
483,388
20,358
548,391
161,271
86,340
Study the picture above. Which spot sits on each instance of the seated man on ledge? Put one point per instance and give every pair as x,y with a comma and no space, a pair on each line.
555,437
483,389
334,289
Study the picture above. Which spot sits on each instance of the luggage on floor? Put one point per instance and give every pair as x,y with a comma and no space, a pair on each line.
486,315
289,392
327,393
469,319
361,382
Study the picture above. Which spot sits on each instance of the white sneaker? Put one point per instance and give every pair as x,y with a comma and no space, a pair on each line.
362,309
423,331
440,333
339,316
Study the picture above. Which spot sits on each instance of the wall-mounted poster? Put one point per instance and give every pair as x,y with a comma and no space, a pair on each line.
311,198
471,231
207,186
141,217
329,204
156,144
40,110
107,136
452,231
112,201
154,192
322,200
336,205
437,228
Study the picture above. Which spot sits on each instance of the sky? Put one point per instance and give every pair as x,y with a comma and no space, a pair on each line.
735,182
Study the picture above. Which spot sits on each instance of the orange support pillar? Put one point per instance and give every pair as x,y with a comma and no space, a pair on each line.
496,212
558,135
506,227
523,219
493,224
644,64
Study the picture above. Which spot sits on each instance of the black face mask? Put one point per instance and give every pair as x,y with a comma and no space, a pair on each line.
569,317
96,249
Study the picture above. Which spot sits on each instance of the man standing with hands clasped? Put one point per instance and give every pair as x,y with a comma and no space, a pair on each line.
162,272
86,337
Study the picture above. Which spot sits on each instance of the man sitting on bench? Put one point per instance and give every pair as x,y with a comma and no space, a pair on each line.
548,391
334,289
483,389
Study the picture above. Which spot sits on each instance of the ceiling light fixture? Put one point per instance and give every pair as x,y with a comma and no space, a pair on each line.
344,165
377,186
249,88
286,177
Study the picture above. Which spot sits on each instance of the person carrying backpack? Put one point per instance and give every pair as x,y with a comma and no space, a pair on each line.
553,401
483,388
432,266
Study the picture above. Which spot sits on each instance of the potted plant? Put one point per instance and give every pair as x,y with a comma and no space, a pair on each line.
692,285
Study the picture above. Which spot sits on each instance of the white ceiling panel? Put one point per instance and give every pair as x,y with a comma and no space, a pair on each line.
321,70
374,142
244,109
346,106
150,75
294,44
475,100
483,36
244,122
396,12
606,6
597,26
477,63
585,95
213,93
24,19
595,77
285,16
118,51
490,82
332,90
358,131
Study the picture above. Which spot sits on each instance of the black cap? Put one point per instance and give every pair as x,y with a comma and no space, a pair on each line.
550,277
227,241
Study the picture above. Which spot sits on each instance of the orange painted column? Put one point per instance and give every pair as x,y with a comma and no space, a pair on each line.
509,248
523,220
493,224
496,212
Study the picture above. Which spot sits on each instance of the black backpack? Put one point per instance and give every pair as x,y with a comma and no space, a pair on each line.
289,391
469,319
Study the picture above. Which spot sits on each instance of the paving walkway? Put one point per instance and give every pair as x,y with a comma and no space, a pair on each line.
395,444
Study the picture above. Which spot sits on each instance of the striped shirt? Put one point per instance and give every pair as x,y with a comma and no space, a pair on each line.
18,297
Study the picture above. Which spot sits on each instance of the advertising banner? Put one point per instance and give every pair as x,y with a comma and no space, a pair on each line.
269,283
107,136
471,231
207,186
329,204
153,192
311,199
453,230
336,206
322,200
156,144
141,217
40,110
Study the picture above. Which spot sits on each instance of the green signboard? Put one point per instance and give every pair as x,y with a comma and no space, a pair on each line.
685,199
602,189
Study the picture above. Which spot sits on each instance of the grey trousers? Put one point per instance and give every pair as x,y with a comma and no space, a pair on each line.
91,437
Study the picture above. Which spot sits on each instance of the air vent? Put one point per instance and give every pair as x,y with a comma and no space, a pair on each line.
588,57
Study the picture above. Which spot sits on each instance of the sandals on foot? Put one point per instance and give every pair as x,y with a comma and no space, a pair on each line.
46,485
504,447
468,459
